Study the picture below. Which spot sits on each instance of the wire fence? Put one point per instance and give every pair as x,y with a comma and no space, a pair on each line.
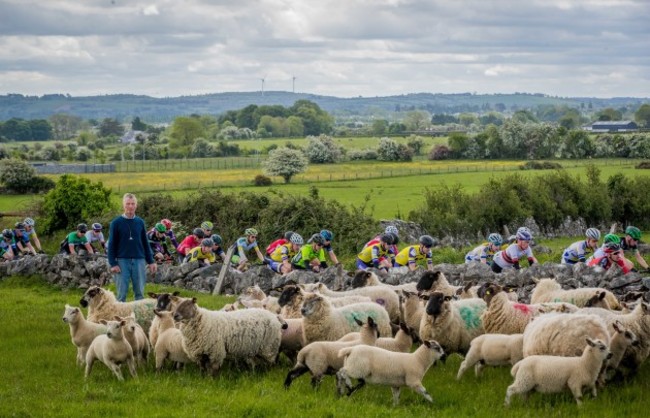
222,163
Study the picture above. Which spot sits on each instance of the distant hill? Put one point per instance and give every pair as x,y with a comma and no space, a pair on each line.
151,109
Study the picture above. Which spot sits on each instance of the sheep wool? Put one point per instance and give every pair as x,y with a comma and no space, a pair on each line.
562,335
102,304
381,295
169,345
82,331
549,290
492,350
112,349
164,302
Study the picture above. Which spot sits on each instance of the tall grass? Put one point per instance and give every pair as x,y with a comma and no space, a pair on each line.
40,379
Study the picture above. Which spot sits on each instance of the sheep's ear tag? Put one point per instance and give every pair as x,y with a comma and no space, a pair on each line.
487,292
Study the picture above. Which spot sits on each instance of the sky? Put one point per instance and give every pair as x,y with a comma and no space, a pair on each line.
344,48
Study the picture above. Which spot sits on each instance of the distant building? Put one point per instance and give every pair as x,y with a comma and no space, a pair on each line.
614,126
130,136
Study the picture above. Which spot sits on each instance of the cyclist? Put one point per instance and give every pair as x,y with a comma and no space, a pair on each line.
328,236
157,238
96,235
280,259
629,243
379,255
75,242
190,241
8,247
30,232
281,241
170,233
576,252
311,256
509,258
410,255
613,255
600,252
203,253
22,239
242,246
485,252
216,246
207,226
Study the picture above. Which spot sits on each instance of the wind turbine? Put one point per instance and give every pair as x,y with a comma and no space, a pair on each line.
263,78
293,85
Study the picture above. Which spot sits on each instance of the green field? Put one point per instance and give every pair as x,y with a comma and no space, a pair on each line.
357,143
40,379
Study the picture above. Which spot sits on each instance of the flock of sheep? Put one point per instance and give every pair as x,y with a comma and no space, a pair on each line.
575,339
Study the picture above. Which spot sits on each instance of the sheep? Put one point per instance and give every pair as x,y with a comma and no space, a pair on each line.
452,323
492,350
402,341
102,304
379,366
562,335
164,302
435,281
229,307
598,300
82,331
621,340
170,341
549,290
136,337
412,309
292,297
322,322
379,294
112,349
552,374
469,291
321,357
292,337
254,297
365,278
209,337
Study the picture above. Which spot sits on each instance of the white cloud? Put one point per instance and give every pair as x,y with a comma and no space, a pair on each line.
150,10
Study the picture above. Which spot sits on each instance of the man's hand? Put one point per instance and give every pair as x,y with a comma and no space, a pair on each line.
153,267
116,269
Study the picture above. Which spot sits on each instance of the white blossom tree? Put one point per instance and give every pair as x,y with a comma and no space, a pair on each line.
286,163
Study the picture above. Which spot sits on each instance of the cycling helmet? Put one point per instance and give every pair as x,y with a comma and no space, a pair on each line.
593,233
390,229
216,238
250,231
327,235
611,247
19,226
207,225
167,223
634,232
287,235
97,226
612,238
29,222
296,239
207,242
387,238
82,228
427,241
524,234
198,232
317,238
495,239
160,227
6,233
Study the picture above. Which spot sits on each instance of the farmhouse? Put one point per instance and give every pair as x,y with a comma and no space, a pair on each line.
614,126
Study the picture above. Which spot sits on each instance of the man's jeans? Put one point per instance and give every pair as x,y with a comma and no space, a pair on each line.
132,270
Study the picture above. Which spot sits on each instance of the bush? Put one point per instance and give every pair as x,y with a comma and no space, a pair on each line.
543,165
439,152
643,165
20,177
262,180
322,150
367,154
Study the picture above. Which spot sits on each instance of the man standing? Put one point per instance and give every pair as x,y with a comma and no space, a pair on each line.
128,249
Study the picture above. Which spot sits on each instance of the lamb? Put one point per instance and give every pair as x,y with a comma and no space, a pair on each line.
102,304
254,297
365,278
454,324
549,290
164,302
209,337
82,331
621,340
379,366
170,341
322,322
229,307
562,335
552,374
136,337
402,341
112,349
492,350
292,297
381,295
412,309
321,357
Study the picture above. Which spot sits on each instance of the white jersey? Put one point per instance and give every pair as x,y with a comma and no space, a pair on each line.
511,255
91,237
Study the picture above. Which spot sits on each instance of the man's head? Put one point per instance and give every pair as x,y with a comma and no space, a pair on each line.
130,204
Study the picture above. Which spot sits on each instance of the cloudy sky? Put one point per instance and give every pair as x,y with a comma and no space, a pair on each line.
342,48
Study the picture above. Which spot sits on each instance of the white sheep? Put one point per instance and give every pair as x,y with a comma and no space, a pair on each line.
209,337
621,340
412,309
381,295
254,297
164,302
112,349
136,337
553,374
549,290
379,366
292,337
102,304
562,334
365,278
401,342
293,295
469,291
454,324
492,350
82,331
169,345
322,322
321,357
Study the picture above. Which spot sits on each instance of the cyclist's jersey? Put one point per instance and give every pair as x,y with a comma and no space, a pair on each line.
172,238
275,244
627,247
196,254
92,237
305,255
29,234
9,244
482,252
376,240
157,244
75,240
411,255
510,257
24,239
219,251
576,252
2,252
283,252
606,263
187,244
600,252
242,246
372,254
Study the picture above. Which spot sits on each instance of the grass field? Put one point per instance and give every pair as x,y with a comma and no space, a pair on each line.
350,143
40,379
